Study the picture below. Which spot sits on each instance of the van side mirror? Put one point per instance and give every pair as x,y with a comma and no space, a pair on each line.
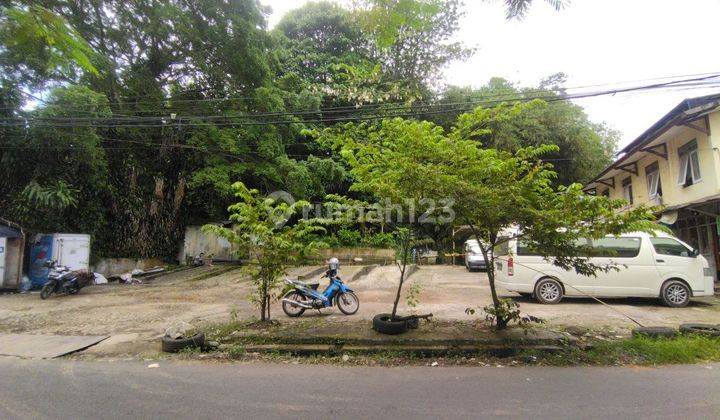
695,252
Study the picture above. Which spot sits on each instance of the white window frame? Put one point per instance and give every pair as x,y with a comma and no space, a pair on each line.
653,182
628,193
689,161
694,156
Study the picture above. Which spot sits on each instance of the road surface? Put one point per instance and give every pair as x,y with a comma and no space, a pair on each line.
76,389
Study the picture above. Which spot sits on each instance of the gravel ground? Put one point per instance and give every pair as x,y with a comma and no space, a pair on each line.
132,313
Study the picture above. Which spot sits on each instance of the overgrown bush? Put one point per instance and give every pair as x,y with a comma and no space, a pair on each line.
348,238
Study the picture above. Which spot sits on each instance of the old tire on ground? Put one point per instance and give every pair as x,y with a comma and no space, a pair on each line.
413,323
703,329
675,294
383,325
548,291
174,345
47,289
654,332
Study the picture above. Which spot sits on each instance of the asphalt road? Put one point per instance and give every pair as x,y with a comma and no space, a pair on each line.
69,389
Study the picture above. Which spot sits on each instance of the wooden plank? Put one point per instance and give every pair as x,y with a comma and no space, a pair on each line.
633,168
610,182
663,153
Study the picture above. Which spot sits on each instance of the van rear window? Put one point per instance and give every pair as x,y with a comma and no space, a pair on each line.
502,249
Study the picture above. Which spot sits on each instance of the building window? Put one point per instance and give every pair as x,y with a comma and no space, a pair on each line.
652,175
689,172
606,193
627,190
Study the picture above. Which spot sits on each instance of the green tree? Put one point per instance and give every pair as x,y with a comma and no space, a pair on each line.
317,38
57,180
38,44
413,39
404,240
489,190
512,119
178,58
262,233
518,9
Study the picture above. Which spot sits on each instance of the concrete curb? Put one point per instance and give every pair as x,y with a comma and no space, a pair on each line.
213,273
364,272
312,273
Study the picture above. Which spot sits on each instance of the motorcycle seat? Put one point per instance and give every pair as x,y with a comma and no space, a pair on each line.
312,285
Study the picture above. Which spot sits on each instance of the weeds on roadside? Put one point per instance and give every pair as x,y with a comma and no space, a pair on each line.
236,352
683,349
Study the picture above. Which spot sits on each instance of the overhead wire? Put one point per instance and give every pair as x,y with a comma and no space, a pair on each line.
231,98
385,113
703,76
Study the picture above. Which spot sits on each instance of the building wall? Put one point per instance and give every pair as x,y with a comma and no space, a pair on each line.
714,126
672,192
197,242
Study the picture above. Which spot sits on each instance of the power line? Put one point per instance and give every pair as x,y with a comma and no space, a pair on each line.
458,107
232,98
379,105
166,121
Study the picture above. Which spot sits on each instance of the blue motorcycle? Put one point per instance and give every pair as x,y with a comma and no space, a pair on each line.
306,296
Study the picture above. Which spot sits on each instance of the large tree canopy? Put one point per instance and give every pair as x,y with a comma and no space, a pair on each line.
510,119
131,120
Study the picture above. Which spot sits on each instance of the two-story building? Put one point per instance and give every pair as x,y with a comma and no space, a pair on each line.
675,164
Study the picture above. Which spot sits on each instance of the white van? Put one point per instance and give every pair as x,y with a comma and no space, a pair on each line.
474,259
649,266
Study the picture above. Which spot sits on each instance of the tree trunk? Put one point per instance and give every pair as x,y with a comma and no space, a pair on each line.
263,300
399,290
268,307
501,322
404,259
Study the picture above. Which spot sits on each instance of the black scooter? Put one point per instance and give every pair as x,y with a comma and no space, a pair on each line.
63,281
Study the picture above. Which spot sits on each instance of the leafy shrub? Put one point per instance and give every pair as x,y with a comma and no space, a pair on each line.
508,311
349,238
380,240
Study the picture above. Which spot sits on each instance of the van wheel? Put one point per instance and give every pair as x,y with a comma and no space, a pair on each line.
548,291
675,294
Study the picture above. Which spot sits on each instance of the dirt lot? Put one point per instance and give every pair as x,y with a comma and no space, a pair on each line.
133,313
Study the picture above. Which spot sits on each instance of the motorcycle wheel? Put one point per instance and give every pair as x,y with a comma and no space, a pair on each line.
291,310
47,290
348,303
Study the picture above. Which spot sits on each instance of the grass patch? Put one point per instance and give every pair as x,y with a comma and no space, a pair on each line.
683,349
236,352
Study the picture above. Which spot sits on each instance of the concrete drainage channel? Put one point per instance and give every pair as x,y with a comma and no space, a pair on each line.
364,271
503,344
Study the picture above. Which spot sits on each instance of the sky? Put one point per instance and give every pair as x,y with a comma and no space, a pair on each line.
594,42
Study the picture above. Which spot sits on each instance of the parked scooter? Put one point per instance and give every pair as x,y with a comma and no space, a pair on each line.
63,281
306,296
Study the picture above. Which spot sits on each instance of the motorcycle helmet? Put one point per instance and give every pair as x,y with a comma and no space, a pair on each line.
334,264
